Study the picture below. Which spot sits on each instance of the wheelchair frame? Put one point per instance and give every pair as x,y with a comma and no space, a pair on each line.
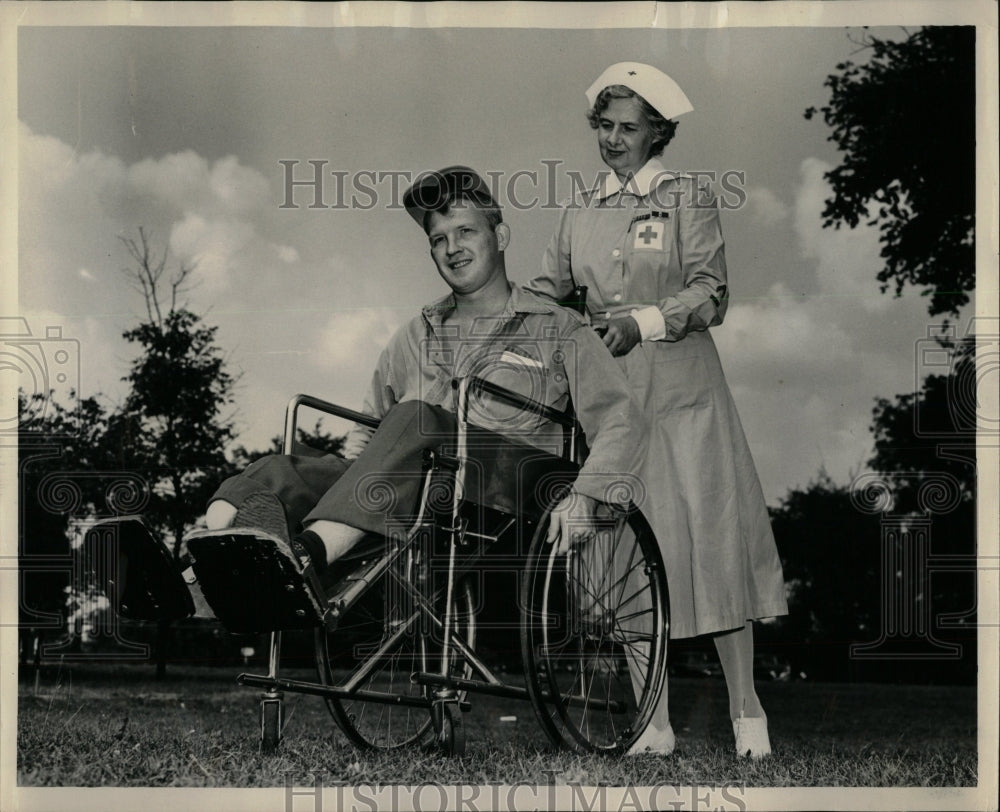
444,692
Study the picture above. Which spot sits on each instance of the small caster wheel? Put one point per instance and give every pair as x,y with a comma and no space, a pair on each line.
270,722
450,729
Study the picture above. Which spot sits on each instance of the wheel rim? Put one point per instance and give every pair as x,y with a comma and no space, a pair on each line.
591,636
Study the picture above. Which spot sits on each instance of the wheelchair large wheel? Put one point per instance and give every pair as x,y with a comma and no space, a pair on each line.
387,614
593,627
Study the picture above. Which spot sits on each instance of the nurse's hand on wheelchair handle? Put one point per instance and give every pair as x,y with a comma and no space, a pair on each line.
620,335
572,521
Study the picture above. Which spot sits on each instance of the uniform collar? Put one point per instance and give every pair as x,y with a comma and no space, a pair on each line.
640,184
519,301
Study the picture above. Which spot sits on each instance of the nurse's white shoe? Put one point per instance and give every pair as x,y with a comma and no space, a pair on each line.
751,736
654,742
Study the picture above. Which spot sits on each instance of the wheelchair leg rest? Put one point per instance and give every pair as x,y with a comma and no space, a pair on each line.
136,570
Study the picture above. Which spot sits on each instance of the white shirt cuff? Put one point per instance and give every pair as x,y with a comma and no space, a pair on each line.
651,324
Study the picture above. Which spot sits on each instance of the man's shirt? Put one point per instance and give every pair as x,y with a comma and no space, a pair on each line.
535,348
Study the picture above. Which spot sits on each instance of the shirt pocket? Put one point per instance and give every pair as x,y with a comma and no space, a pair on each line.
680,383
525,374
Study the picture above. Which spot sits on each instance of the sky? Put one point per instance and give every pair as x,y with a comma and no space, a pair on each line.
182,131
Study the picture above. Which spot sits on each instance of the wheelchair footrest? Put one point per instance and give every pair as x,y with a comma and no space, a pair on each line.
255,582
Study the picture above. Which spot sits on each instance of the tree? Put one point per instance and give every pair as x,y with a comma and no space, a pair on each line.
925,444
833,554
830,557
930,436
173,427
176,421
58,453
905,123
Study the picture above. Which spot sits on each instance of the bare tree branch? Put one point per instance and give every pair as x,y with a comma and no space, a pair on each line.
148,273
177,285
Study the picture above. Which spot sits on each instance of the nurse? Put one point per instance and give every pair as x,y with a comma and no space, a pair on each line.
647,244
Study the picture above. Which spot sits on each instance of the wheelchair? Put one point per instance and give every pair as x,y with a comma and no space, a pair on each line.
396,654
396,659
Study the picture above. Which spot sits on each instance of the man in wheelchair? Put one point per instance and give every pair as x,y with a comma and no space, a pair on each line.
276,530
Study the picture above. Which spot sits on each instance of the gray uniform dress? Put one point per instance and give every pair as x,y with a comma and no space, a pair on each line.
658,243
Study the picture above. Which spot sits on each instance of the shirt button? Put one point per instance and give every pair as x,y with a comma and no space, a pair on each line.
617,297
616,253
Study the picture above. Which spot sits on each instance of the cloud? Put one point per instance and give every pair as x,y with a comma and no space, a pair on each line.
287,254
188,182
848,259
180,179
794,429
804,374
213,246
64,207
71,353
806,360
766,207
355,338
784,330
75,206
238,188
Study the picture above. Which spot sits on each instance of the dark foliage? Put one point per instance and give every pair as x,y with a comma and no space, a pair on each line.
844,561
175,422
59,449
835,555
830,555
927,439
905,124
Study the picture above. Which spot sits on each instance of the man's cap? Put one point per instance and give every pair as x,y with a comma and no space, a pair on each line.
434,189
662,92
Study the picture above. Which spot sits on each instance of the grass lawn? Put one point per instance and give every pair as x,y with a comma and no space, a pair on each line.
117,726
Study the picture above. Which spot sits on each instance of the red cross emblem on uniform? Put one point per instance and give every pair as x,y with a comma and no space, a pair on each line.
648,236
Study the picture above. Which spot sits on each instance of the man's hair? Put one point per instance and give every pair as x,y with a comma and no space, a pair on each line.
663,128
493,215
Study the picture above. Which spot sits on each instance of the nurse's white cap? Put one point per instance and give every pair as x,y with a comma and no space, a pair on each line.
653,85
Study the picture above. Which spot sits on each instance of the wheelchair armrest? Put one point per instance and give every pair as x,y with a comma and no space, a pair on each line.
565,419
292,411
571,428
